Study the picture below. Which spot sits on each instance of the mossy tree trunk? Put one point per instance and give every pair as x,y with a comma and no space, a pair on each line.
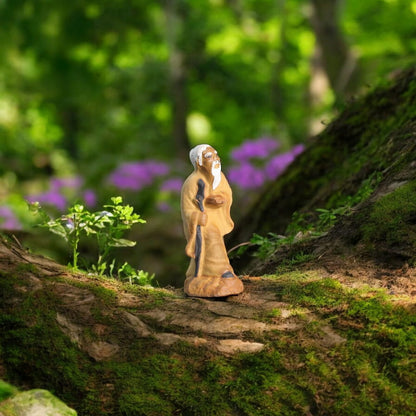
366,153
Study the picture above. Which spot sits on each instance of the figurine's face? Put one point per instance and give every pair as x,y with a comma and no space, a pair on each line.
210,159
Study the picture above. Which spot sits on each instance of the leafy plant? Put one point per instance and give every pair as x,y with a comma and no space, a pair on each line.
108,227
268,244
299,223
328,217
68,226
140,277
306,224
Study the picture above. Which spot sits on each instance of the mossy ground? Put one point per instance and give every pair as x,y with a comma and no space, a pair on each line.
390,224
372,372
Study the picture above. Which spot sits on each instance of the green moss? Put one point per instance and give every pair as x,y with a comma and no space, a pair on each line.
292,263
6,390
372,372
107,289
260,386
163,384
33,348
137,404
27,267
325,292
41,355
392,220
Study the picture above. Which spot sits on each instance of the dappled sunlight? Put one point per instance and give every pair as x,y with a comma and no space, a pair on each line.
199,129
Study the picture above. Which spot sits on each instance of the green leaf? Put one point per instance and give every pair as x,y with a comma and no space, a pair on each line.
77,208
117,200
122,242
58,229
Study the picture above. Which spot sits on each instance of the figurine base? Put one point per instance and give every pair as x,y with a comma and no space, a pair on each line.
213,287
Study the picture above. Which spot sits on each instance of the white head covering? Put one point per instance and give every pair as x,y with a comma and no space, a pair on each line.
196,154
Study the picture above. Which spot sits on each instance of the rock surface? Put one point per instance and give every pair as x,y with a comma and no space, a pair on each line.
35,403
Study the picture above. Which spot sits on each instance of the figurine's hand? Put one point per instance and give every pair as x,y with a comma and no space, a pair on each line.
203,218
215,200
190,250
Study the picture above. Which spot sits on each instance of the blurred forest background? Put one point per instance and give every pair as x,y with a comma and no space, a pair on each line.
105,98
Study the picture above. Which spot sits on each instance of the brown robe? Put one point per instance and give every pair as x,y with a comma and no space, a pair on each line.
213,260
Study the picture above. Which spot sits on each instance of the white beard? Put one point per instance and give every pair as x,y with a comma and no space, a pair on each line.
216,173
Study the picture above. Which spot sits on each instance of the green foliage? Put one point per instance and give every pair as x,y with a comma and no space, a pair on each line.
328,217
266,246
312,224
106,226
133,276
342,205
109,227
67,93
69,226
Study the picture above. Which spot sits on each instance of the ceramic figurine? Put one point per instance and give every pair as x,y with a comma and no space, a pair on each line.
205,205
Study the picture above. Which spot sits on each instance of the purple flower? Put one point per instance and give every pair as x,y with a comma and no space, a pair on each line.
250,149
136,175
246,176
73,182
163,206
90,198
8,220
51,197
156,168
131,176
298,149
278,164
172,185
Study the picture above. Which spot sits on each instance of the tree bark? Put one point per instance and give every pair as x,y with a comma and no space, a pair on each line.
277,92
177,79
337,58
70,122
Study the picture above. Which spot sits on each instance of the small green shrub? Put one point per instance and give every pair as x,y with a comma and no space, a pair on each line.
107,227
266,246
